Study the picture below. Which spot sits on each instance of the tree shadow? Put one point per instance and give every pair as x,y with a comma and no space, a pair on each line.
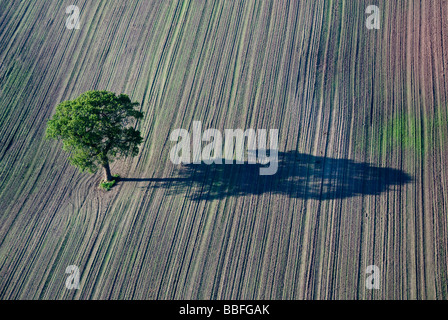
299,176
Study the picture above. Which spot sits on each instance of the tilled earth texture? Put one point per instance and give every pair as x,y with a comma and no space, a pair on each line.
362,179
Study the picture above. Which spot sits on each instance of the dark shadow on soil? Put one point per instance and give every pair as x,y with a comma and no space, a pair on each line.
147,179
299,176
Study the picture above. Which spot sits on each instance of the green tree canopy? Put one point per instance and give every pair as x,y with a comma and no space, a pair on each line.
96,128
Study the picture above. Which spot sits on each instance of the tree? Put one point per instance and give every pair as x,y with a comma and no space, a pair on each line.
96,129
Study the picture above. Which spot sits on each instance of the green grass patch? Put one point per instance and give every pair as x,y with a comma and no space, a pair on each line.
107,185
417,134
406,131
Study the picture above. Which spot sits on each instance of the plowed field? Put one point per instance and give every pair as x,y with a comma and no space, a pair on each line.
363,127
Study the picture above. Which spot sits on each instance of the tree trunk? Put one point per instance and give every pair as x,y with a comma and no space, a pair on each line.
106,171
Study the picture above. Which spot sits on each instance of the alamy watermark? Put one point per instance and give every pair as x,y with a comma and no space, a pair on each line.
72,281
373,21
72,21
373,279
234,147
